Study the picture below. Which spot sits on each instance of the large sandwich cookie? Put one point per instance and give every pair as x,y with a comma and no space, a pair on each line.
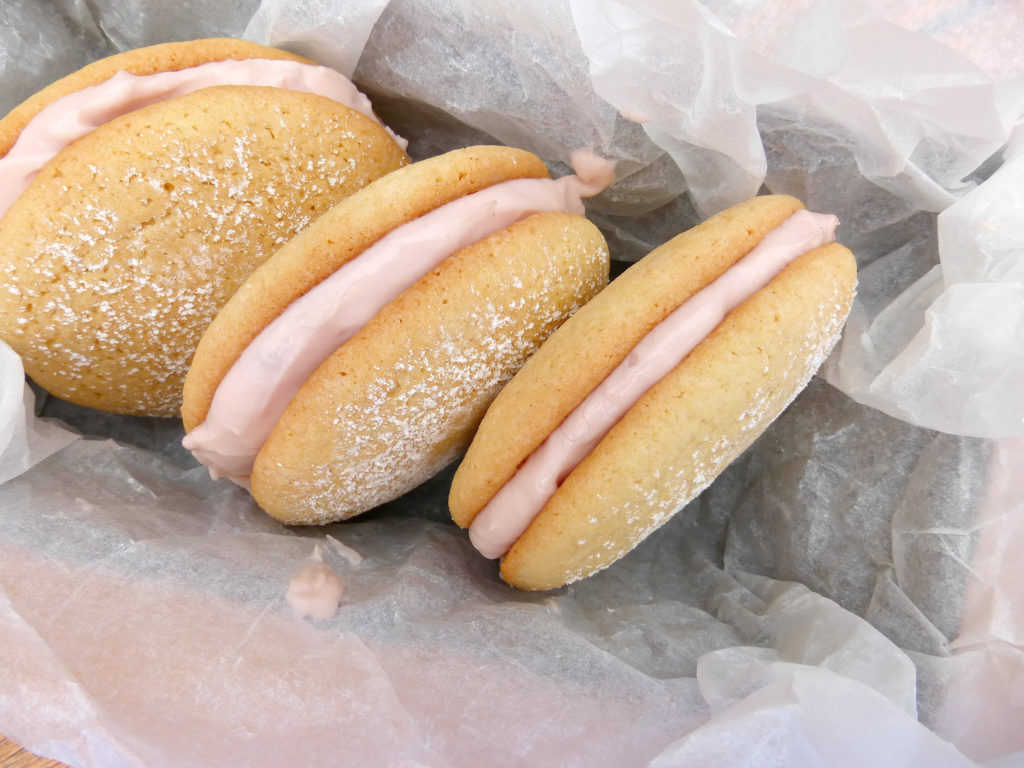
648,392
138,193
358,360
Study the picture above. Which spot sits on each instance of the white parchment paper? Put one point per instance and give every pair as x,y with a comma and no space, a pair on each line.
847,593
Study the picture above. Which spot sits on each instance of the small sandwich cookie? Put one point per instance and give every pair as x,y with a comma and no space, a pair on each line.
357,361
648,392
138,193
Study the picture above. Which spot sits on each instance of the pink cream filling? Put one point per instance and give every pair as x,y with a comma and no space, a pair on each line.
509,513
73,116
258,387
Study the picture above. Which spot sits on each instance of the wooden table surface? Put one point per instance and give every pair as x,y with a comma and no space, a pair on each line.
13,756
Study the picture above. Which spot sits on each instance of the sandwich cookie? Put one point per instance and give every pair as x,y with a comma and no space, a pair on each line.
138,193
357,361
648,392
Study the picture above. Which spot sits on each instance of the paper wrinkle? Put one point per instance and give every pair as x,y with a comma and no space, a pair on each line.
43,46
995,588
687,64
518,74
983,705
800,628
66,716
24,439
126,24
703,86
918,119
165,580
948,353
329,33
814,718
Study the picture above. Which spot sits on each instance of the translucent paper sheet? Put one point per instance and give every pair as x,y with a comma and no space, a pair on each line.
847,593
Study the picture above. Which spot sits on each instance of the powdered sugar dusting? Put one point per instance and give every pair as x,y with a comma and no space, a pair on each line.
121,261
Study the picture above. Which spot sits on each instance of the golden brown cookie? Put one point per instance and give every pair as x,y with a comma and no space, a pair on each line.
685,428
123,248
382,410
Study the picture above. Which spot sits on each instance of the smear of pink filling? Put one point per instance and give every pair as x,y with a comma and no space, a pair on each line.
507,516
73,116
258,387
315,592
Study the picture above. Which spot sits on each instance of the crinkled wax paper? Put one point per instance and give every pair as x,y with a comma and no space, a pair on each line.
847,593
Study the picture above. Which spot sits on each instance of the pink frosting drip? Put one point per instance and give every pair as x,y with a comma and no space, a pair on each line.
73,116
258,387
507,516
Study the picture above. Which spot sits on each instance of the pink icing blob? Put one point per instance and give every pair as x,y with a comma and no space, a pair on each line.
315,592
507,516
258,387
73,116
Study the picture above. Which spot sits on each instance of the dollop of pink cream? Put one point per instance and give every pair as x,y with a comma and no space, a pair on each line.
315,592
73,116
256,390
509,513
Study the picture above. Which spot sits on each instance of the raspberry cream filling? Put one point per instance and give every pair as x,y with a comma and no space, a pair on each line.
69,118
509,513
254,393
